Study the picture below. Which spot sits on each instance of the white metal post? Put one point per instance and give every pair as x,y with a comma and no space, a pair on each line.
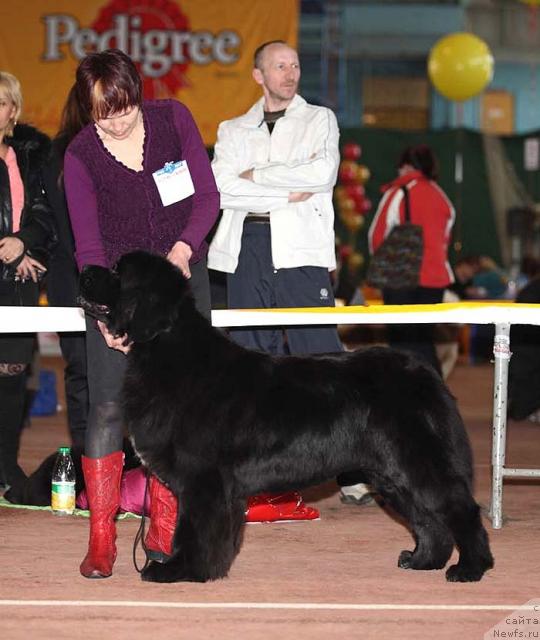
502,354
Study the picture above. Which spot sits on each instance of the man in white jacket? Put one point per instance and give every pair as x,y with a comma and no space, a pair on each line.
275,168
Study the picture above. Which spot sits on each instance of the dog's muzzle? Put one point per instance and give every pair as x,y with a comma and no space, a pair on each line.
94,309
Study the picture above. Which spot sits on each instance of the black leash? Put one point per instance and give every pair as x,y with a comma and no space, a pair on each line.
139,536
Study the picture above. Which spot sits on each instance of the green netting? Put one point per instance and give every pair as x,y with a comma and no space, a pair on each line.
514,149
78,512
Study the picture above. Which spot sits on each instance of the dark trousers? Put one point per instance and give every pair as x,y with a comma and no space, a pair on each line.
414,338
12,394
73,347
256,284
62,291
106,370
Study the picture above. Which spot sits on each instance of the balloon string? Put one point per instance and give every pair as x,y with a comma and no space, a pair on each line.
459,114
533,28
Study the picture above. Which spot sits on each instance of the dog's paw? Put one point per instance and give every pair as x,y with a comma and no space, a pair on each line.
169,572
405,560
410,560
154,573
158,572
457,573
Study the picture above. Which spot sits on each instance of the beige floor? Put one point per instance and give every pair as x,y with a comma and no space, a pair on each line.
335,578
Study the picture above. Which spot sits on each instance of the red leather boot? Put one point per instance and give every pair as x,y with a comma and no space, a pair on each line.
163,514
102,477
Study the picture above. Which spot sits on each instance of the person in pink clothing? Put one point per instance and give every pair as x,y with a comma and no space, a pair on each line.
26,238
432,210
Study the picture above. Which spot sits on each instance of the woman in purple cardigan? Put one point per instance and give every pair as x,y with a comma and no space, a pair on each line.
136,177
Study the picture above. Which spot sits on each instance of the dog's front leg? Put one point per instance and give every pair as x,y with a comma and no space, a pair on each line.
208,532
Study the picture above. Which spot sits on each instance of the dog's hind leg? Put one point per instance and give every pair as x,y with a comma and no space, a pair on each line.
434,542
208,533
463,519
433,549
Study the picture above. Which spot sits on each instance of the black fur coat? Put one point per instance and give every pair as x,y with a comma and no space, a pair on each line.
37,232
37,229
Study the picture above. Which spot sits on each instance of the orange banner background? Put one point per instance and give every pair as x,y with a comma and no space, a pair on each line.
198,52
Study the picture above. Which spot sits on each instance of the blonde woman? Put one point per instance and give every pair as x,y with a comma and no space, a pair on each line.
26,235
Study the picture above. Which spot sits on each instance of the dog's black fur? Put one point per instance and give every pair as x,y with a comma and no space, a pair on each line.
219,423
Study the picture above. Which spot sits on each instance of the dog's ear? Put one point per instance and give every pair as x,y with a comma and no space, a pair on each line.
144,316
152,289
98,284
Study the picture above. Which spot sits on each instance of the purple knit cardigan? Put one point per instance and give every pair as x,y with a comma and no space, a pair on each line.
114,209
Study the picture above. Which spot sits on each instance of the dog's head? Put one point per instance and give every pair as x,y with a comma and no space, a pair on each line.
140,297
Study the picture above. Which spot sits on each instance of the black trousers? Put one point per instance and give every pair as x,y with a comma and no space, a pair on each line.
256,284
106,370
62,291
73,347
12,395
17,348
415,338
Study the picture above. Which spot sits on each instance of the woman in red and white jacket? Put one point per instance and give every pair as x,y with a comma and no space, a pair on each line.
432,210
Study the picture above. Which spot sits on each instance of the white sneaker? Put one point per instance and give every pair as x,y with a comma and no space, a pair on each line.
358,494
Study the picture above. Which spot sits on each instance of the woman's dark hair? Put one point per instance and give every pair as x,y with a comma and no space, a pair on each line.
420,157
107,82
71,122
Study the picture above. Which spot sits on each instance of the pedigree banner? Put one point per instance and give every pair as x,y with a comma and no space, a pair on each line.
198,51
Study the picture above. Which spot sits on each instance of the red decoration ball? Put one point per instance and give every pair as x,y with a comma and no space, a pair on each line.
351,151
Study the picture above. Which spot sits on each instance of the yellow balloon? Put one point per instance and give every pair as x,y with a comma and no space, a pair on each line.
532,3
460,66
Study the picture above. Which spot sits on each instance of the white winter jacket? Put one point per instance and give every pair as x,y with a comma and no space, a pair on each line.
301,155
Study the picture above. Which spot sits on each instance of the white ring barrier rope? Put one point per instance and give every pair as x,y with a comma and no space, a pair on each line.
58,319
502,315
460,313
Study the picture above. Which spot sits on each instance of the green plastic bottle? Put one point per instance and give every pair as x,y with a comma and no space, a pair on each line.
63,483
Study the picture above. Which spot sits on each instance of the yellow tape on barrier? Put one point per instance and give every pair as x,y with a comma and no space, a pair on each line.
451,312
58,319
396,308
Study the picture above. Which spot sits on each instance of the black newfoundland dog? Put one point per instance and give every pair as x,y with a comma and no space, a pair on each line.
219,423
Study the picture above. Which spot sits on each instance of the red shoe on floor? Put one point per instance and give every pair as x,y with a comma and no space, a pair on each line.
273,507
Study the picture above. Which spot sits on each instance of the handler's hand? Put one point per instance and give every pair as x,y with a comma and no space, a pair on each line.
11,248
30,268
247,174
119,343
299,196
179,255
